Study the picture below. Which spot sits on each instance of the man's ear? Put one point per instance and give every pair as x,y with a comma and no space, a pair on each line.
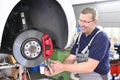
96,21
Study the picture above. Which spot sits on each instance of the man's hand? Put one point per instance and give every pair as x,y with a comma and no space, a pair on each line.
54,68
57,67
48,71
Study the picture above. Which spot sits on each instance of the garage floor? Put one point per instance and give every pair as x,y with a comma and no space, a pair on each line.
37,76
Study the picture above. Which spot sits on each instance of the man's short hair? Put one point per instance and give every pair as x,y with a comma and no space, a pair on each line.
91,11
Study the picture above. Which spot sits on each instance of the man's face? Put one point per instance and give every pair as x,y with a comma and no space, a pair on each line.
86,22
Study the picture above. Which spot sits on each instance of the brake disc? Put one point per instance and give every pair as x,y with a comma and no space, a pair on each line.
27,48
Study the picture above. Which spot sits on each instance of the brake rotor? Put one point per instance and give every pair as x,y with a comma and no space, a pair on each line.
27,48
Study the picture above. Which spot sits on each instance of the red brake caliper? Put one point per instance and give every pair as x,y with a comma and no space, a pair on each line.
47,46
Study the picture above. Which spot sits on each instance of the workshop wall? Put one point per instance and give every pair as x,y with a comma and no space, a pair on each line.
109,12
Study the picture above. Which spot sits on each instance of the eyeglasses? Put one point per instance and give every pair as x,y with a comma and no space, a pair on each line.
84,21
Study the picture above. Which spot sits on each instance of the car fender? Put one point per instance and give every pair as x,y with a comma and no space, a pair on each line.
6,7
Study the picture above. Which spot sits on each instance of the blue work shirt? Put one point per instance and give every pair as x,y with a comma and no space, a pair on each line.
98,50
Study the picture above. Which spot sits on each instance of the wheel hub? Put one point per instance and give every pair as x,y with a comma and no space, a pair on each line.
31,49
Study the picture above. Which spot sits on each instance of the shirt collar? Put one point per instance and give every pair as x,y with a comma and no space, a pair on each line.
93,32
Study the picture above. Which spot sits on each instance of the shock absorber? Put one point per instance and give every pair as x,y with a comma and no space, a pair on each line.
22,14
